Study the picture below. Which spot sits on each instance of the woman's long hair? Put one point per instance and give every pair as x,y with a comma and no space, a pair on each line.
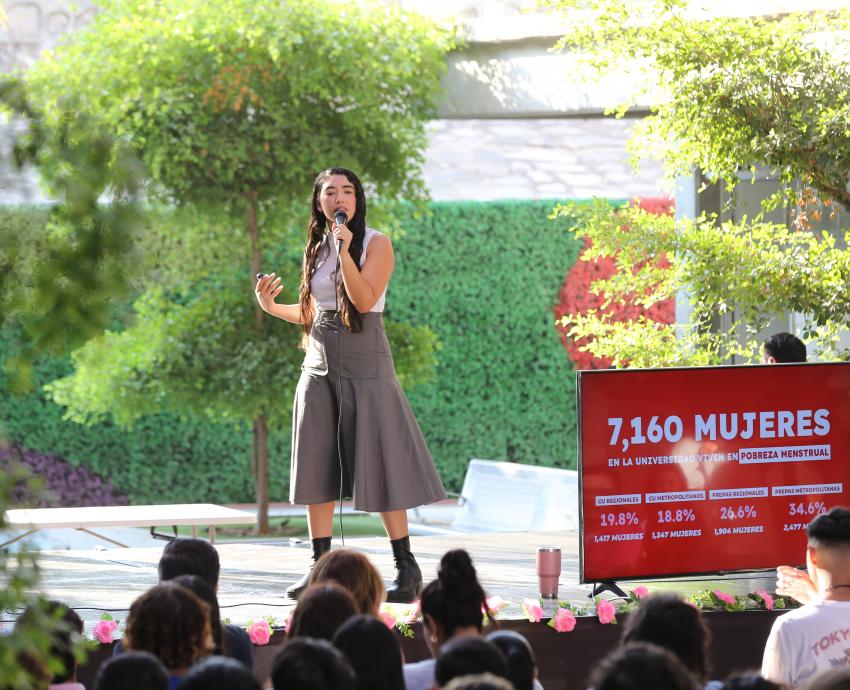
316,233
455,599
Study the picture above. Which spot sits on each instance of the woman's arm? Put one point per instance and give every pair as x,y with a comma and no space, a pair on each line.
365,286
268,288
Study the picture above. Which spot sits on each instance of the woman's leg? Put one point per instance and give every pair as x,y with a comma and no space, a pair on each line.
320,518
320,523
408,578
395,523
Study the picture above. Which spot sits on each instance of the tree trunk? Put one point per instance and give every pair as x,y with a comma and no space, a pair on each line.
260,427
261,472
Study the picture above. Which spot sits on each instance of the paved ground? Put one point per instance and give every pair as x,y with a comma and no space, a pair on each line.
255,575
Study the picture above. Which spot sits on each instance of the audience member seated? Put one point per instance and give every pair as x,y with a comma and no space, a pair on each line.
189,556
469,656
808,641
66,630
354,571
372,651
750,681
837,679
174,624
237,647
781,348
320,610
220,673
522,668
642,666
307,664
453,605
482,681
132,671
669,621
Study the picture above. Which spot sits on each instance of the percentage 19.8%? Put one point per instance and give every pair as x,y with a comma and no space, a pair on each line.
619,519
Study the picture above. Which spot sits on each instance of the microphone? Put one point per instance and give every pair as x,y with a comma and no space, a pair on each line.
340,219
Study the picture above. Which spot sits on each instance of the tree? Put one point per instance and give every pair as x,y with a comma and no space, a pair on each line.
60,278
725,93
234,106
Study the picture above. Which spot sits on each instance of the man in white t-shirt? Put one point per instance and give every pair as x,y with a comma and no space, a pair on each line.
816,637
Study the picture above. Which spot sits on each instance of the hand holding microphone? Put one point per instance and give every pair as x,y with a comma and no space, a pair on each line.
341,233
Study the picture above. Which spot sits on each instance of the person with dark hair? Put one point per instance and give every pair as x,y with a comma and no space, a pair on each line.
174,624
352,570
522,668
320,610
308,664
812,639
66,631
751,681
642,666
481,681
451,607
196,558
220,673
468,656
781,348
132,671
836,679
373,653
190,556
669,621
353,431
230,640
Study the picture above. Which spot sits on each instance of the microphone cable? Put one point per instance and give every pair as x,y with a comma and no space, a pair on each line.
339,325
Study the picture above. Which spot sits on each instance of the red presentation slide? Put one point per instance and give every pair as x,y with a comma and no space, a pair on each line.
706,470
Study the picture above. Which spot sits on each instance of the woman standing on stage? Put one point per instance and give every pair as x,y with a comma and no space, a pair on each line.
348,396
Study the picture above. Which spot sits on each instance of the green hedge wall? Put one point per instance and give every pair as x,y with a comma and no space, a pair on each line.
483,276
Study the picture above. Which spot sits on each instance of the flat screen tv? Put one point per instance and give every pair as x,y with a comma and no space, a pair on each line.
708,470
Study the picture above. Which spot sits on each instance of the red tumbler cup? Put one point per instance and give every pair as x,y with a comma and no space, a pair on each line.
548,570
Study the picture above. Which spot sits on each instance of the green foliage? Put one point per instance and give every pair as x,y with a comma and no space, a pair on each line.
503,387
226,97
757,269
19,577
484,277
163,361
161,459
727,92
59,282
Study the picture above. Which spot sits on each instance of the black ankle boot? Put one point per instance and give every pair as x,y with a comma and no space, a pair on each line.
408,578
320,546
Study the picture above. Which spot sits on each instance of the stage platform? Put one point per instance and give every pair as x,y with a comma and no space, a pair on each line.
255,575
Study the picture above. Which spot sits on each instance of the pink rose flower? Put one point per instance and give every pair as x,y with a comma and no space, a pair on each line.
606,612
496,603
388,619
725,598
768,600
104,631
640,592
533,610
563,620
260,632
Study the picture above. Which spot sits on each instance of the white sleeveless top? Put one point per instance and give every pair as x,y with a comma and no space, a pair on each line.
322,282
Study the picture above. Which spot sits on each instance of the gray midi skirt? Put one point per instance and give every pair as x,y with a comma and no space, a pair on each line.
385,463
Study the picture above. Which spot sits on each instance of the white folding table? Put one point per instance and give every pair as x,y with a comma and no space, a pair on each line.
89,519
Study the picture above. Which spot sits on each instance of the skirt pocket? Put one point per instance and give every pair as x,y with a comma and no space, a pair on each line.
359,354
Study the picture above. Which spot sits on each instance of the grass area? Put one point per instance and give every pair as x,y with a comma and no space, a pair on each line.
296,527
